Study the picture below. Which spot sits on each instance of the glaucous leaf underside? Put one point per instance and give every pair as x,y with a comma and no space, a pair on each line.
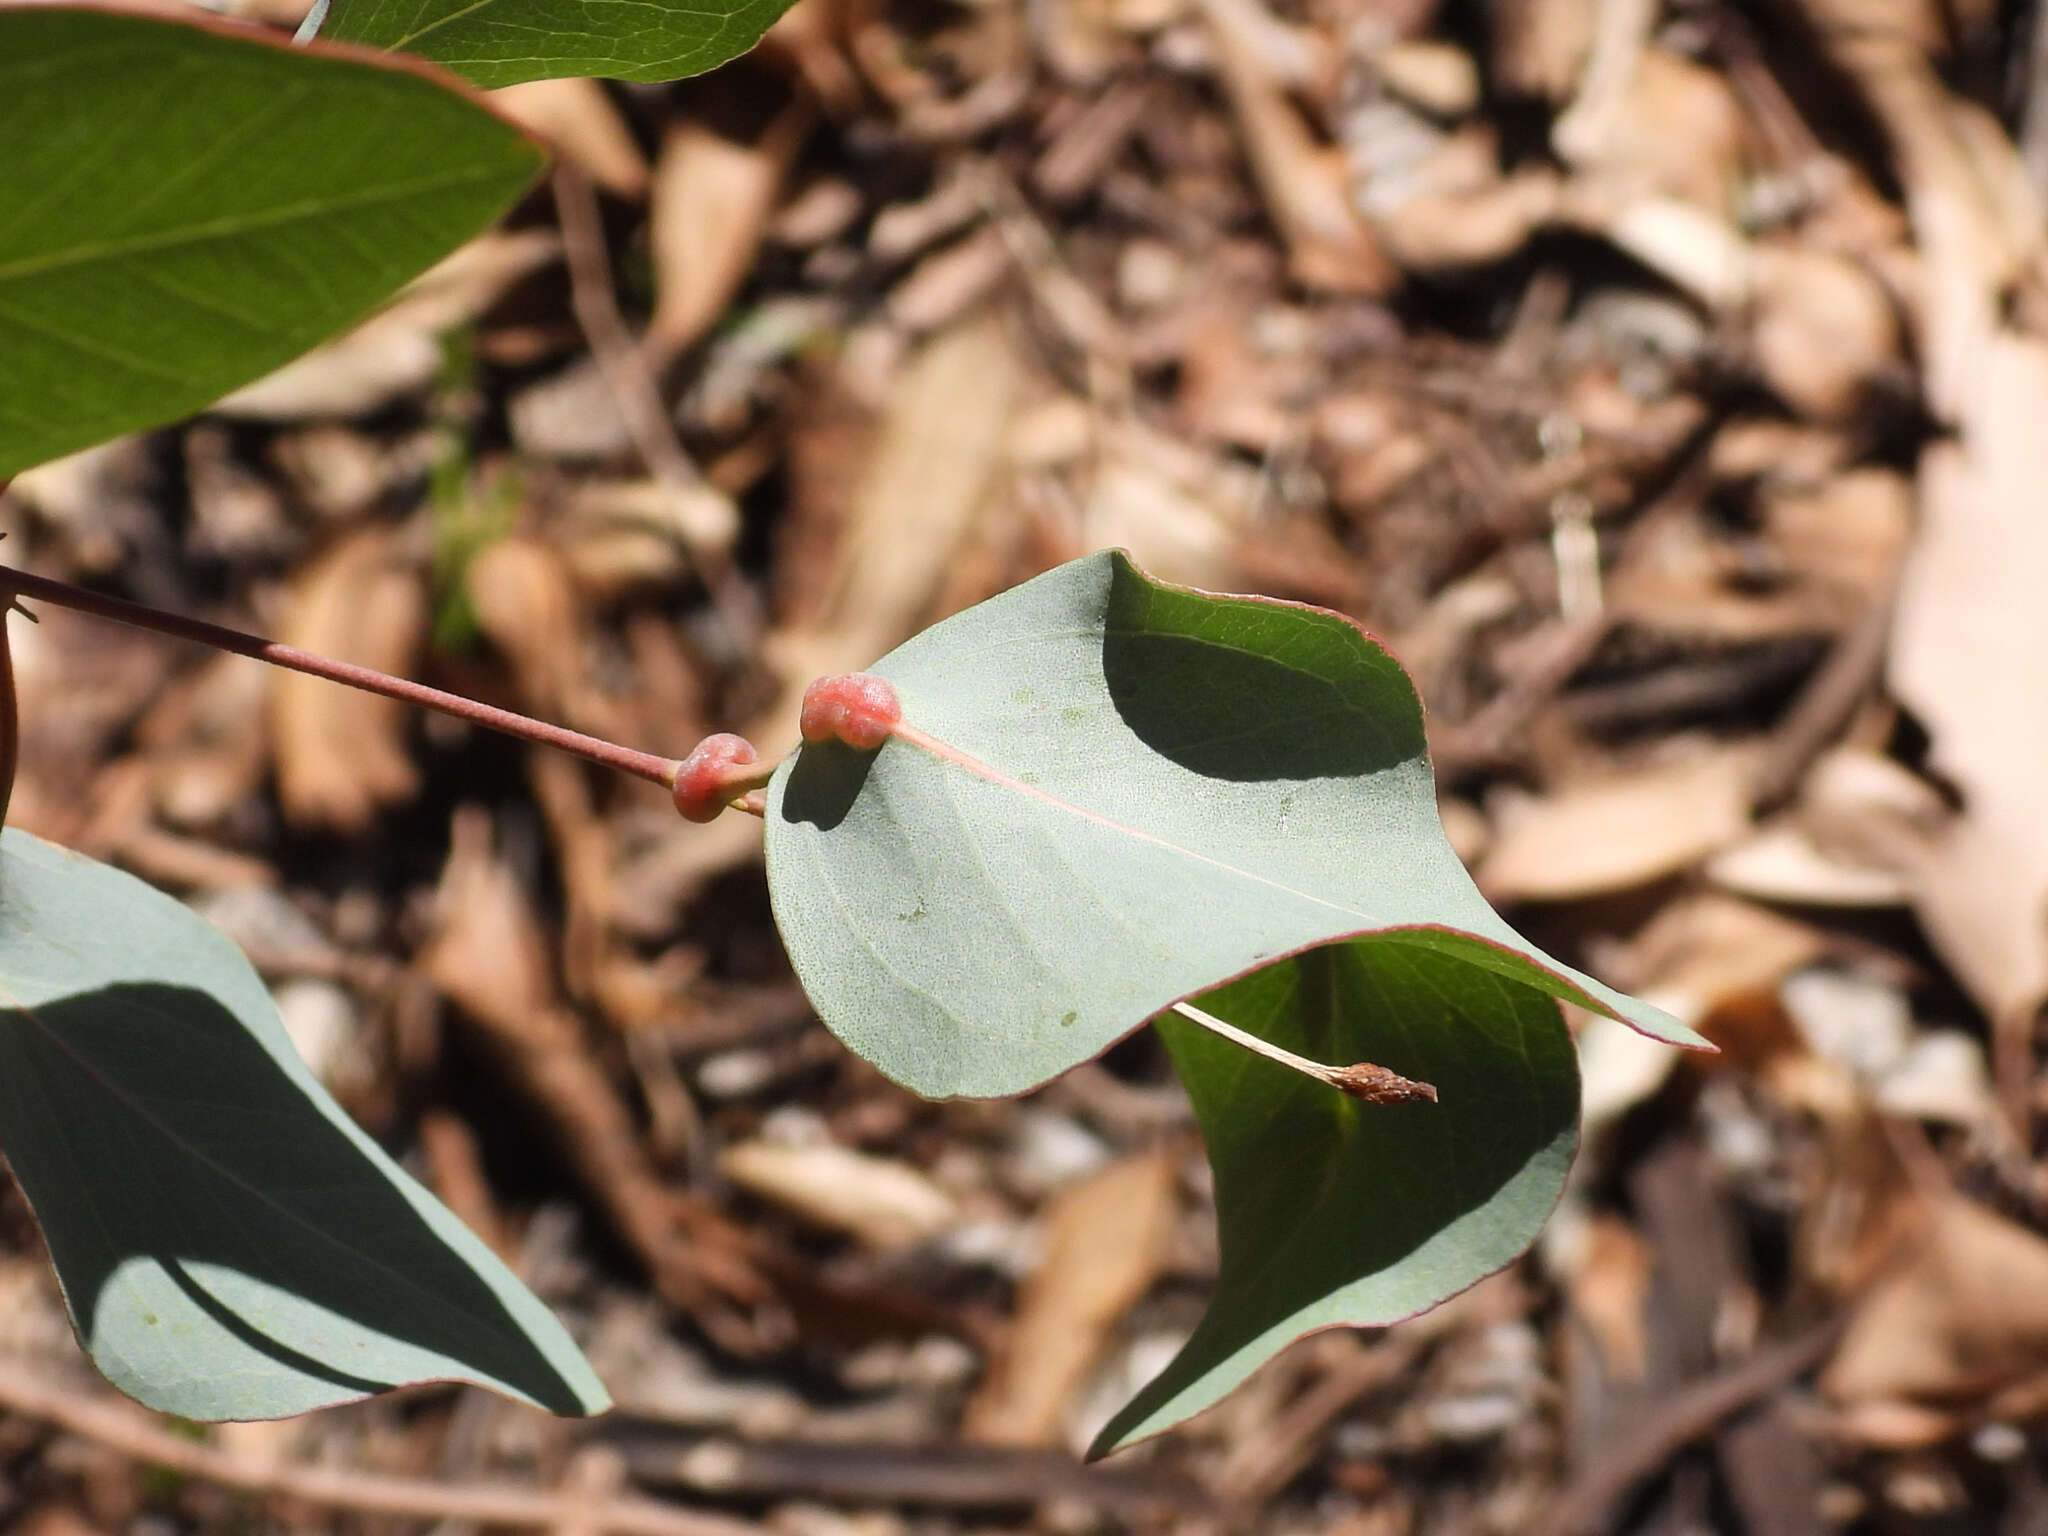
1114,795
1133,793
229,1243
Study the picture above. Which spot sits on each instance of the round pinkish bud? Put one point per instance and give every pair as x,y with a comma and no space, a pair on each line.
703,780
857,708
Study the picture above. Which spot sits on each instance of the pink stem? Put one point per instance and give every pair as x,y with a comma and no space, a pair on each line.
646,765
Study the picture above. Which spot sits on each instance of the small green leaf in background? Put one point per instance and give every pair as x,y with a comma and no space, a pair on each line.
1331,1211
1144,792
229,1243
503,42
185,206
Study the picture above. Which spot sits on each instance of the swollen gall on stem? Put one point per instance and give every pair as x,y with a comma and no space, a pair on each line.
857,708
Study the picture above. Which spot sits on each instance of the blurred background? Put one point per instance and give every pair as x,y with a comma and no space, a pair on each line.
1665,380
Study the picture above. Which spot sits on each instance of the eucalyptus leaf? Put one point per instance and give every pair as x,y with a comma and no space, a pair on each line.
229,1243
186,205
503,42
1129,793
1331,1211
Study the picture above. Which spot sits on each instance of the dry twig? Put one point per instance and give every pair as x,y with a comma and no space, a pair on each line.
130,1432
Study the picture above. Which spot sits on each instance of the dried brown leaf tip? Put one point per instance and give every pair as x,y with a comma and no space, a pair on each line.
1376,1085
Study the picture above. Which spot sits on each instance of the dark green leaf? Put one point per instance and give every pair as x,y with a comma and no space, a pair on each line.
230,1244
1331,1211
1138,793
502,42
184,207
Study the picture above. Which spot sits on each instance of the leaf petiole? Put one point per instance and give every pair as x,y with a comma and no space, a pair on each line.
1361,1080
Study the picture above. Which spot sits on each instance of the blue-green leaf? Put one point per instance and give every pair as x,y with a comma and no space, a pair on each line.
229,1243
1133,793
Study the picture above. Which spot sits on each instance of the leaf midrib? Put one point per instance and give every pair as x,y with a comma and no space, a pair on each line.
945,752
235,226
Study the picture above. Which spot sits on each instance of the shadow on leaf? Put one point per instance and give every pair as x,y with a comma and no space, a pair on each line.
208,1217
1200,693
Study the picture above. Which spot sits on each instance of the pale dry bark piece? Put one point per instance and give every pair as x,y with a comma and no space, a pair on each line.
684,519
1783,864
578,121
1609,1288
903,229
1078,158
1963,1310
1540,47
1779,453
937,457
1169,530
398,349
1436,76
1603,836
706,221
1669,128
1705,949
822,211
951,281
1824,329
1105,1241
1617,33
1969,653
343,755
1472,226
526,606
1701,252
1306,184
882,1202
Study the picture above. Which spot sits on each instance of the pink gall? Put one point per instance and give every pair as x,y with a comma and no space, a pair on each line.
705,779
857,708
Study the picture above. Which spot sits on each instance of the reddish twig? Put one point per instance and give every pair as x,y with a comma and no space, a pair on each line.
607,754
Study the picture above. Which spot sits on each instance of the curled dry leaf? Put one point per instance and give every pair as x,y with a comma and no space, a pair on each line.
1969,650
1783,864
884,1203
1602,836
578,121
712,198
1962,1310
342,755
